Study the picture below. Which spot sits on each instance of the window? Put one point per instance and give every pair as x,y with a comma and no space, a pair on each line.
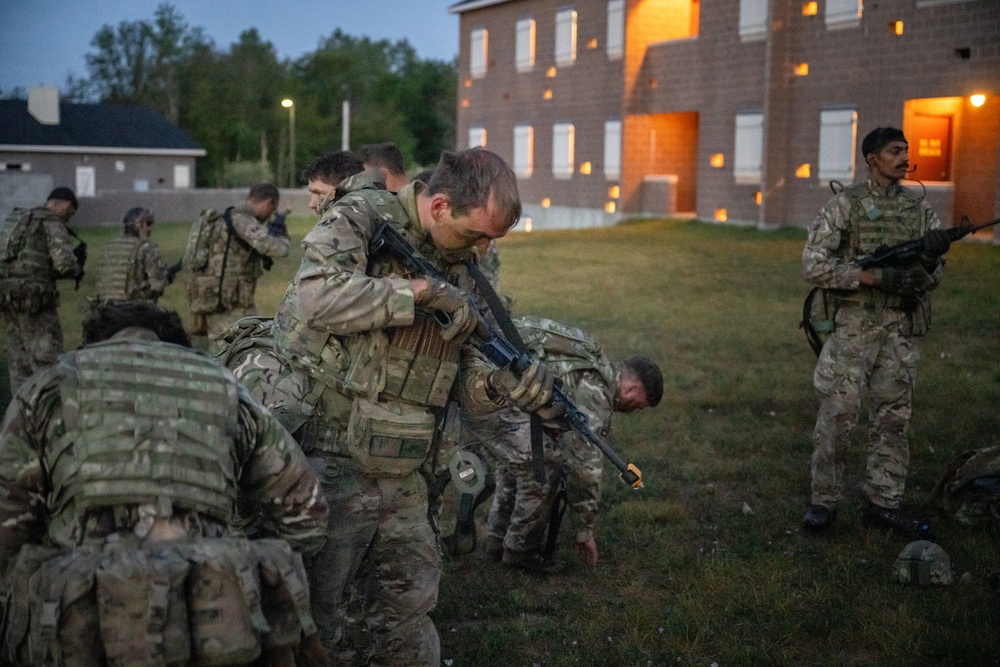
477,136
842,13
565,36
182,176
478,50
85,185
524,150
838,132
616,29
563,137
612,149
748,154
753,20
524,38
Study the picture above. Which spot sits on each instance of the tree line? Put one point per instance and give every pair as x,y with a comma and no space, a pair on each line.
229,100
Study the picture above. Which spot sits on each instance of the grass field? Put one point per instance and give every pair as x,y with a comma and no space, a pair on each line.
708,564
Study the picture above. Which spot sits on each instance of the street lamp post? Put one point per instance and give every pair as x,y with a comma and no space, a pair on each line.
290,105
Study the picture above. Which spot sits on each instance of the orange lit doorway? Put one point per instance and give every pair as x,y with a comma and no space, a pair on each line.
930,148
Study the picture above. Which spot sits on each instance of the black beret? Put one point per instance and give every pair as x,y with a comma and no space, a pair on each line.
879,137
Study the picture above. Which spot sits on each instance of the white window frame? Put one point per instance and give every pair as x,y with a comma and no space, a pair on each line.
748,148
86,181
753,20
479,49
565,36
838,136
524,150
182,176
477,137
524,44
612,149
843,14
563,146
616,29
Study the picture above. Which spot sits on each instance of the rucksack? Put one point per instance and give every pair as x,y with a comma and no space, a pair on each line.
199,243
11,233
969,491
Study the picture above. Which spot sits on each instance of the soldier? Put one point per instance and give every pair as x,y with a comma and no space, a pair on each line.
323,174
240,248
36,251
387,158
522,507
120,492
131,268
381,370
880,313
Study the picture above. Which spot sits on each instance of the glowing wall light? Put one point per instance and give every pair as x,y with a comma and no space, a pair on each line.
614,192
804,171
547,95
610,207
592,43
718,160
546,202
465,103
527,224
551,72
586,168
896,27
810,9
977,100
721,215
758,197
802,69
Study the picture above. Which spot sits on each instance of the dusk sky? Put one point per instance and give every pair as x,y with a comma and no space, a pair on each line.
43,41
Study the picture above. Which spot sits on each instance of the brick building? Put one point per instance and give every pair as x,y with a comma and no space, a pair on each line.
738,110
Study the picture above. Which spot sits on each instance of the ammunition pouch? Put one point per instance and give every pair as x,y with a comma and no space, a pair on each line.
27,296
389,438
421,366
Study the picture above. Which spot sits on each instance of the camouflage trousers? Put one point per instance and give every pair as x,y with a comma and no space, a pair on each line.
381,558
34,341
866,350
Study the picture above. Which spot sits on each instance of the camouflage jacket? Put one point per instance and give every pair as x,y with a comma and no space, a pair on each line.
854,223
268,468
131,268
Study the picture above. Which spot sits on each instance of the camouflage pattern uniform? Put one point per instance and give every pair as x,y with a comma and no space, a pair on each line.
131,268
374,435
225,289
100,512
873,344
519,515
35,254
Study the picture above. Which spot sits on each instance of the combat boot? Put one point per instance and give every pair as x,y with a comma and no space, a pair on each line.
818,518
531,561
493,549
894,519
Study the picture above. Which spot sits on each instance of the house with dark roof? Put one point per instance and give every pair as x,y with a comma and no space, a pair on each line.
95,148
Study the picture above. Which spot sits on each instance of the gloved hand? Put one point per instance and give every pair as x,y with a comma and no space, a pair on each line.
904,282
277,226
449,299
532,392
936,243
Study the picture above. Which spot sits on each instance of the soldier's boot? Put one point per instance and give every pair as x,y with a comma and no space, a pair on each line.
818,518
531,561
493,549
894,519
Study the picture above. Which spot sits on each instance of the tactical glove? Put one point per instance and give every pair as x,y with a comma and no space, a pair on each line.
936,243
449,299
277,226
904,282
532,392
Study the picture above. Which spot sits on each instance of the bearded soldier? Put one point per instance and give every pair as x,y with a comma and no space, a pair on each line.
121,470
880,315
522,506
130,267
382,371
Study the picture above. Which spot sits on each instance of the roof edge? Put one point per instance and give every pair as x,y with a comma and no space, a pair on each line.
460,7
103,150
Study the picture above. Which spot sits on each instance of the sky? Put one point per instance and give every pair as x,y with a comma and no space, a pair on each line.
44,41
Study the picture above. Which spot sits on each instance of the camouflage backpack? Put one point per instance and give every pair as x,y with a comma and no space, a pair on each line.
969,491
11,231
199,242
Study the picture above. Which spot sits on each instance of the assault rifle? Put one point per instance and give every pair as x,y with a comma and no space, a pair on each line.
80,252
906,253
498,350
173,270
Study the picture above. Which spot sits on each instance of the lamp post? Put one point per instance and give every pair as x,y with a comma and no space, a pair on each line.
290,105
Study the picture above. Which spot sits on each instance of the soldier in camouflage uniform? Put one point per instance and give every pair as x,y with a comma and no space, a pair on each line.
117,538
387,158
35,251
381,372
519,516
324,174
880,313
130,267
240,253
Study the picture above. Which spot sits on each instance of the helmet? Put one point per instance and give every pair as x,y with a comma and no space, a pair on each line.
923,563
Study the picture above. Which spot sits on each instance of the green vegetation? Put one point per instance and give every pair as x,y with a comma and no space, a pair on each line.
707,564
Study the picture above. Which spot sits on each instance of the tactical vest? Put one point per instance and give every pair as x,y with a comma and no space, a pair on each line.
26,282
117,278
144,424
878,220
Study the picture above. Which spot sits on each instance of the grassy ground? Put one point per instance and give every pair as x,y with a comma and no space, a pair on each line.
707,564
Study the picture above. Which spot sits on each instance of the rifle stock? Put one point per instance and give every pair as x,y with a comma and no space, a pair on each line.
499,351
907,252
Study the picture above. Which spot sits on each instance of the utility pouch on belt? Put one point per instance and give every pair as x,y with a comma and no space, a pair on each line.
142,607
389,438
421,366
284,593
15,630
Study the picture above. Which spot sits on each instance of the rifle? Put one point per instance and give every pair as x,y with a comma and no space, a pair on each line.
500,352
908,252
80,252
173,270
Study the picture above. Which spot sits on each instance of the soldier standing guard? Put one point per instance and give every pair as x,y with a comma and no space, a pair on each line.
36,251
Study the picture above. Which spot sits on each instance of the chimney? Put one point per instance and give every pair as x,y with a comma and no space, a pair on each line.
43,104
